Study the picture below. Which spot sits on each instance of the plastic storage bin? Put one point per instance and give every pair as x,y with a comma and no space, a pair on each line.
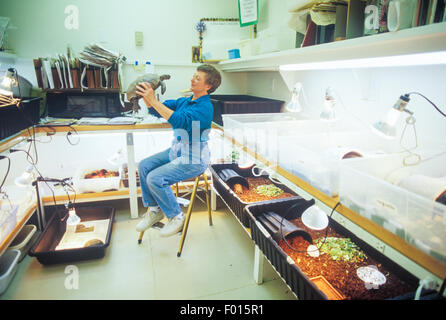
263,135
8,268
316,158
297,280
8,220
370,188
236,104
44,248
82,184
230,197
24,240
234,53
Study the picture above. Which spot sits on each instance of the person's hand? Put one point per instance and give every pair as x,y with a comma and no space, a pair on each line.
144,89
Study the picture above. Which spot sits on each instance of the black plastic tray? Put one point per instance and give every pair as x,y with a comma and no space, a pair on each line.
236,104
231,198
298,281
44,248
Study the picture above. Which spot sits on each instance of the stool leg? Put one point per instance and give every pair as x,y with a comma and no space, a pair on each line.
141,234
188,214
206,185
176,189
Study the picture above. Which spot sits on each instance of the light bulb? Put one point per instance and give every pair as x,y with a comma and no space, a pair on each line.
73,218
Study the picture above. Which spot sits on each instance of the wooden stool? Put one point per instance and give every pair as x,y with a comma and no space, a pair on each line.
189,210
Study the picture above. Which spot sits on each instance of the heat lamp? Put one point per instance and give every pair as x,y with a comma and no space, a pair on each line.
73,219
314,218
387,127
328,113
294,104
26,178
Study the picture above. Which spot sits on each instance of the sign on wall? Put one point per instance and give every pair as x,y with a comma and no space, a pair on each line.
248,11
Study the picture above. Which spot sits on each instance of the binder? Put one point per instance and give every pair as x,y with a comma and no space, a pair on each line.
90,77
38,70
355,19
310,35
75,76
341,21
439,11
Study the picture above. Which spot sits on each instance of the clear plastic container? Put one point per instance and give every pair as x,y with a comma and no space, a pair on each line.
8,268
262,132
99,184
374,188
8,219
316,158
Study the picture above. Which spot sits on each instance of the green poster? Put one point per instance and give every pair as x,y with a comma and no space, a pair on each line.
248,11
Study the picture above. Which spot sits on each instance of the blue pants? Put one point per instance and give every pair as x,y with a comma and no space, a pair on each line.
159,171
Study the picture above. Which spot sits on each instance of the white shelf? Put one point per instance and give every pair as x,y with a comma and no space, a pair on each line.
429,38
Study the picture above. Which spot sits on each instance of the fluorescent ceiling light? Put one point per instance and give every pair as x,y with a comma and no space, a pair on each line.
417,59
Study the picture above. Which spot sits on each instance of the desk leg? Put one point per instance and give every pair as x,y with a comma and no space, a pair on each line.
213,200
258,265
133,195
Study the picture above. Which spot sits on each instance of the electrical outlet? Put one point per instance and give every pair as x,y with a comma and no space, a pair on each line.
139,38
380,246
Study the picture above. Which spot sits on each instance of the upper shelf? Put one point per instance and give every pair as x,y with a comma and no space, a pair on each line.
428,38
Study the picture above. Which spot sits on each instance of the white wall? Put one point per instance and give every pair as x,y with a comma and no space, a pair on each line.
168,28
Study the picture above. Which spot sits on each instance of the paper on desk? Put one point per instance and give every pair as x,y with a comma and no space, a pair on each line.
93,121
67,63
122,120
47,67
57,65
74,240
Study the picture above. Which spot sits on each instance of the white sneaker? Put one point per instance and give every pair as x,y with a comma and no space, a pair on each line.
150,218
174,226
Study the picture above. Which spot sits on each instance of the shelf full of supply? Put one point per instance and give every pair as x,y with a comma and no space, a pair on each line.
427,38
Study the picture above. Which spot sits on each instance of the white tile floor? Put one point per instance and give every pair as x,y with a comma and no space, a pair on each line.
216,264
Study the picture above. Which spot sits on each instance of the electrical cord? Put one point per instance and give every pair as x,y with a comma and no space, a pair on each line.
7,171
326,229
433,104
264,170
69,133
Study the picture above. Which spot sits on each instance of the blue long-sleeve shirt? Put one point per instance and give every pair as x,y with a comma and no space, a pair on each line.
191,117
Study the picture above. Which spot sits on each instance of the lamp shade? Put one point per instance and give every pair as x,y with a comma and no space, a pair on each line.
26,178
314,218
384,129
